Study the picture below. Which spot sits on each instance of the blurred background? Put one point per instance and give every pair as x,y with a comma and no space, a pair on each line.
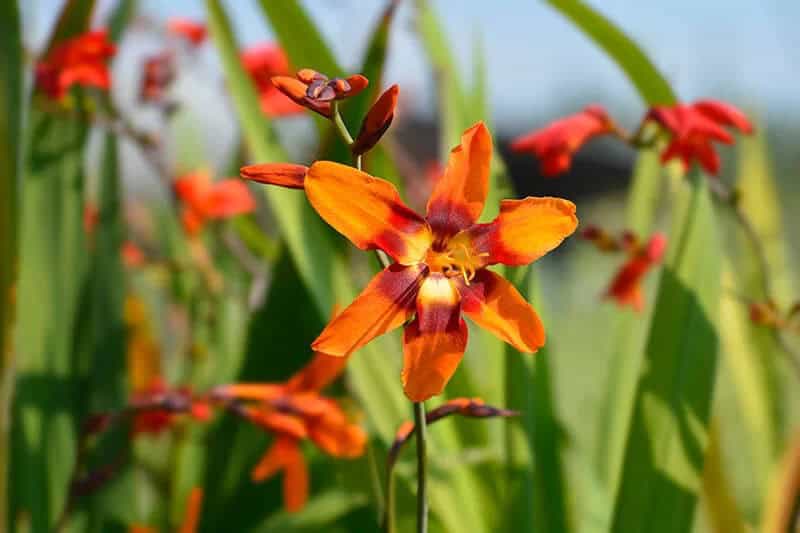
540,67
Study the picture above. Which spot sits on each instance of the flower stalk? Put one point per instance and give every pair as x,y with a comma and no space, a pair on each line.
422,496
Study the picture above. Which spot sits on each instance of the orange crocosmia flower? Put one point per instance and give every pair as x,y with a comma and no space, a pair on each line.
626,286
205,200
132,255
175,401
263,62
694,127
192,31
82,60
91,217
158,73
294,411
440,261
315,91
557,143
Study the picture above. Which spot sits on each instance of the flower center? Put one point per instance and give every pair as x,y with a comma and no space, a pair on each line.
455,257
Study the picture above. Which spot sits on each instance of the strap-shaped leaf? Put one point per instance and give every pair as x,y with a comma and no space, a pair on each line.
666,444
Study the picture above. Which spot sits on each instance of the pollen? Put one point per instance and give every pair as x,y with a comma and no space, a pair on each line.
456,259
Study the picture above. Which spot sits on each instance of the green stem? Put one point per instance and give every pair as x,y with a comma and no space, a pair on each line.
341,128
422,496
388,513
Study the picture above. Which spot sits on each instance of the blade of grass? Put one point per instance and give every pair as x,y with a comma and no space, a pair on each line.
308,240
666,445
11,99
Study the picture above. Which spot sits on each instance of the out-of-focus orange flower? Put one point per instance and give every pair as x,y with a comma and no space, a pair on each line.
694,127
132,255
91,216
557,143
158,73
263,62
293,411
82,60
315,91
157,407
205,200
440,261
191,517
192,31
377,121
626,286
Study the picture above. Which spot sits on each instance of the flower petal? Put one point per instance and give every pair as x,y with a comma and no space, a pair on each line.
524,231
281,174
458,198
382,306
367,210
228,198
434,343
723,113
493,303
276,422
335,435
377,121
295,480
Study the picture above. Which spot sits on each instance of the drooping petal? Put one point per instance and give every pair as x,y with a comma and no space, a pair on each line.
191,516
524,231
493,303
626,286
333,433
434,342
295,480
367,210
193,187
279,423
250,391
318,373
384,304
458,198
725,114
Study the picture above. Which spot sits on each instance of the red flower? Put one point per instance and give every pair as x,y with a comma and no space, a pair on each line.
293,411
694,127
315,91
204,200
132,255
440,271
91,217
192,31
80,61
157,406
377,121
556,143
263,62
626,286
159,72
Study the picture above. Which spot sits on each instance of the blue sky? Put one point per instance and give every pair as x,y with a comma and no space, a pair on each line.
747,51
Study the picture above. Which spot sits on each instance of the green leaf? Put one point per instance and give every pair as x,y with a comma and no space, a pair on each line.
309,240
535,438
11,101
652,86
669,431
318,514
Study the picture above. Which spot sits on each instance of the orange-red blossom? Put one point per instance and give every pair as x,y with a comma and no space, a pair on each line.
315,91
205,200
82,60
440,259
626,286
693,129
262,62
294,411
557,143
194,32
